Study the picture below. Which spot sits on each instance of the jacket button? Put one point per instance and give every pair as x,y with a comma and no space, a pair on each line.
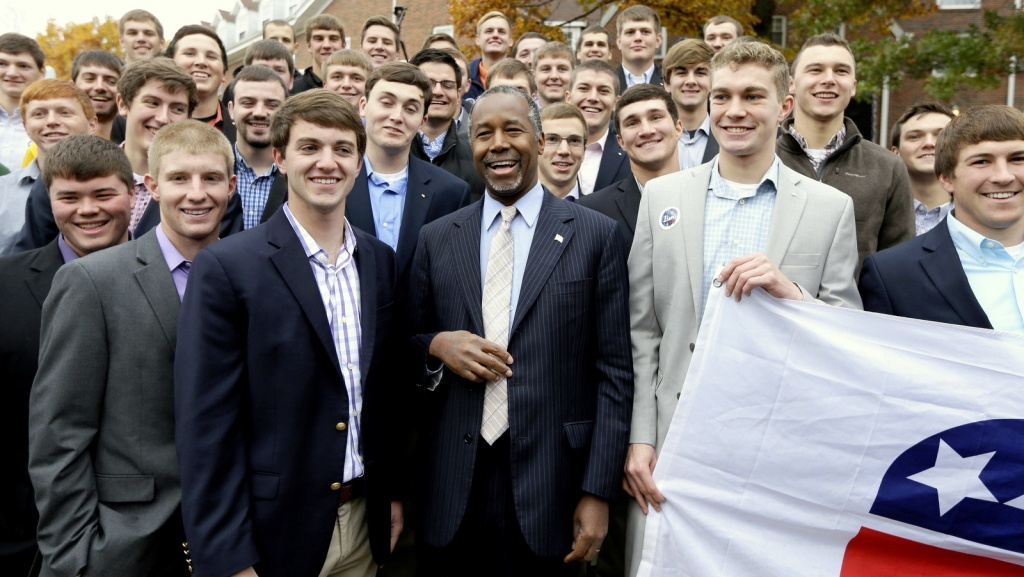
335,486
340,426
692,347
468,438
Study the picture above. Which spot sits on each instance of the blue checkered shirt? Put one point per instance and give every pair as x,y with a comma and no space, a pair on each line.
254,189
339,290
736,223
433,148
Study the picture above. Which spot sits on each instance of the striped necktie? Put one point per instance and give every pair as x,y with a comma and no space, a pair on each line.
497,307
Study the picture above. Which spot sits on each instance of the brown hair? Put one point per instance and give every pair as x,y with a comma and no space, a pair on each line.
991,123
258,74
638,13
379,21
595,66
161,68
193,137
643,93
321,107
96,58
439,56
82,157
826,39
914,110
723,19
737,54
347,57
324,22
439,37
14,43
139,15
687,53
192,30
594,29
563,110
402,73
488,16
278,23
458,55
527,36
51,88
510,69
269,50
555,50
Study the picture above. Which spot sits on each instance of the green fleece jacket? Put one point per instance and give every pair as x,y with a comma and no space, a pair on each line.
876,180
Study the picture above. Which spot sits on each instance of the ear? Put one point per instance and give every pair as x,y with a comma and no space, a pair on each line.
279,161
232,184
787,107
947,184
231,109
122,108
93,125
151,185
895,150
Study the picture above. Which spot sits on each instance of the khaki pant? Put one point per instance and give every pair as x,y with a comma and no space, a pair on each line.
349,554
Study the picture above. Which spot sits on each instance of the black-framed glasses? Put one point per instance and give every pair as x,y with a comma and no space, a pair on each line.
446,85
554,140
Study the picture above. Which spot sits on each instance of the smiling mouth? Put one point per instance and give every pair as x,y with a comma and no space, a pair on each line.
737,129
502,167
200,75
259,124
649,144
826,95
90,225
999,195
438,103
591,110
196,211
324,180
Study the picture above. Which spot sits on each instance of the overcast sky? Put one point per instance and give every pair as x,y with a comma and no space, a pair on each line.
29,16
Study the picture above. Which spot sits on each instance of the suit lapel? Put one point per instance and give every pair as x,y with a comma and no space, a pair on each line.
45,266
358,209
293,264
466,261
277,197
789,206
942,265
544,253
149,219
692,200
157,284
628,201
366,264
611,159
418,195
710,149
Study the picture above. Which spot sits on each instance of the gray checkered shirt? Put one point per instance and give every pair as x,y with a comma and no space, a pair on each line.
832,146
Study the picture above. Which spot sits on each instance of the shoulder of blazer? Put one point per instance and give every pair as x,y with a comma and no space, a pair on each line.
905,253
457,218
684,180
437,178
817,192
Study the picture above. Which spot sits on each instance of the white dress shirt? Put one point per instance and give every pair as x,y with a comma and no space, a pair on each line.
591,164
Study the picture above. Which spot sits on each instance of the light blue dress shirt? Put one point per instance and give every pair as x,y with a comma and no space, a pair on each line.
692,145
524,223
995,276
644,78
387,199
736,222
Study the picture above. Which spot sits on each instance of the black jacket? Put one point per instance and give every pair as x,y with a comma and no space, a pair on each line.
307,81
456,157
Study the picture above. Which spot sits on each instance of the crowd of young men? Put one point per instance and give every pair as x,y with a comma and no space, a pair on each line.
285,325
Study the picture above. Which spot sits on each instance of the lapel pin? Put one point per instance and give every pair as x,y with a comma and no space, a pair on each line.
558,237
425,196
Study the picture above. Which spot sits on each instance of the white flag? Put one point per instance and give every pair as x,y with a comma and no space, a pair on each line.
815,440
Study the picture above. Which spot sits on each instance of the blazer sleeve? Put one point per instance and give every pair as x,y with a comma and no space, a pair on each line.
872,289
645,331
210,385
838,277
420,314
613,371
65,408
898,224
40,228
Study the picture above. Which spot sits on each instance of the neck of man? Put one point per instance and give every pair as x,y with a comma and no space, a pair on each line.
315,69
435,127
40,157
207,106
545,102
491,58
559,190
749,169
928,190
386,161
259,158
595,134
138,157
103,127
188,247
636,67
9,103
816,132
326,228
667,165
692,117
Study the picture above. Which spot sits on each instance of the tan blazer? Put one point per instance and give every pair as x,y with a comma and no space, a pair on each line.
812,239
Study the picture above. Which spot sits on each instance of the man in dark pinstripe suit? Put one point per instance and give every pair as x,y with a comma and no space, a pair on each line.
519,311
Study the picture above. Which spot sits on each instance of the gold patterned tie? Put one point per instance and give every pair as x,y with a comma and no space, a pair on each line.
497,306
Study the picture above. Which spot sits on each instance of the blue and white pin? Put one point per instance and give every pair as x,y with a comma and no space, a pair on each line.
669,218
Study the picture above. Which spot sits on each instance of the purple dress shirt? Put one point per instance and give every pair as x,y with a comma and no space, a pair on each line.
176,263
65,249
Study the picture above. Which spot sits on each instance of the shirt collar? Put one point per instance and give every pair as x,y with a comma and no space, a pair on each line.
835,142
66,252
600,141
970,241
171,254
528,206
241,164
645,77
375,178
704,127
31,173
312,249
771,176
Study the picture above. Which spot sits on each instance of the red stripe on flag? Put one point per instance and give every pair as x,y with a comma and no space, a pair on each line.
875,554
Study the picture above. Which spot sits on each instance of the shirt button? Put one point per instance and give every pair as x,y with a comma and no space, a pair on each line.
385,225
335,486
344,319
735,242
990,244
340,426
355,414
982,261
743,201
351,366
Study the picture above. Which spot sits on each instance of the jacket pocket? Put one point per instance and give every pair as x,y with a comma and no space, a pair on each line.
264,486
801,260
578,433
125,488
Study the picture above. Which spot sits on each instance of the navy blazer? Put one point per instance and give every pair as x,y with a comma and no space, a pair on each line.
619,202
614,163
656,78
570,398
258,395
922,278
432,192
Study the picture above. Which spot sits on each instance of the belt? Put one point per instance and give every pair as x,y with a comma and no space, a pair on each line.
354,489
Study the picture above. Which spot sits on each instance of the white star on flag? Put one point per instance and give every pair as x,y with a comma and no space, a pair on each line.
956,478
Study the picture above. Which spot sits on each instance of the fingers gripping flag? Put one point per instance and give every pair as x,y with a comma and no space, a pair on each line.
817,441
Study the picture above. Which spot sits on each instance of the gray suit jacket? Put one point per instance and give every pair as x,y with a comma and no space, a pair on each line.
812,239
101,412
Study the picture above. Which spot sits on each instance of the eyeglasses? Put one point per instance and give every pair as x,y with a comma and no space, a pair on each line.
555,140
446,85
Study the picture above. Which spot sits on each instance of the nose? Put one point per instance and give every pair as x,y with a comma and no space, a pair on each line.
563,147
52,117
1001,174
325,160
163,115
87,205
930,140
735,108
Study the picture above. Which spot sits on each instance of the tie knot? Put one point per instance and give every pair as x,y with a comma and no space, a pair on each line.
507,214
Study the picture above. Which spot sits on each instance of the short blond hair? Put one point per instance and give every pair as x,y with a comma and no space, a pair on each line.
488,16
347,57
193,137
737,54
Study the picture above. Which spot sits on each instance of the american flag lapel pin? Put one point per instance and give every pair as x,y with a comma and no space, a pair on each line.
558,237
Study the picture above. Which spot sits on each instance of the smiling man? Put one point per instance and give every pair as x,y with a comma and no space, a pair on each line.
526,46
593,89
91,183
565,136
53,110
595,43
688,79
21,64
96,72
519,457
141,35
965,270
648,129
286,331
762,225
721,30
102,403
821,143
913,139
494,38
199,52
345,72
325,35
379,41
552,71
639,37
